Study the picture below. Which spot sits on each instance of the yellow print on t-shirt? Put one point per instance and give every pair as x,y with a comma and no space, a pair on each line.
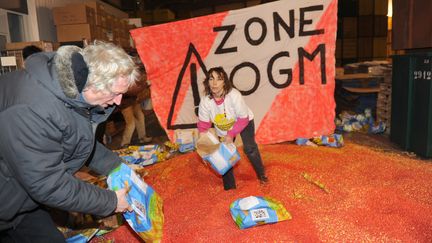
223,123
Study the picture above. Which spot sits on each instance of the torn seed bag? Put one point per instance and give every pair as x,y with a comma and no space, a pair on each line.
253,211
221,156
147,216
78,236
333,140
81,238
140,155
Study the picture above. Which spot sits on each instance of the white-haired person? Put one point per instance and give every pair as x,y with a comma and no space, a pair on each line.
48,114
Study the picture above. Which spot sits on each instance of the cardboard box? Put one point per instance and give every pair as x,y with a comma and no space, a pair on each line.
124,23
381,7
251,3
365,47
99,8
44,45
100,33
134,23
74,14
118,33
366,7
380,47
163,15
366,26
109,21
158,15
101,20
349,48
75,32
380,26
55,46
99,12
349,27
202,12
228,7
107,8
116,23
146,16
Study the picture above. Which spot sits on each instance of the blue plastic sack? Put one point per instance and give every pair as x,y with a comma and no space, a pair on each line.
78,236
185,138
254,210
224,158
147,216
140,155
183,148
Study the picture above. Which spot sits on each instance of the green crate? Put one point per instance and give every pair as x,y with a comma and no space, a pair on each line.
411,121
421,125
401,101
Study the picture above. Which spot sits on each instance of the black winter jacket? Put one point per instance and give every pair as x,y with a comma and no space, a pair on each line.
46,135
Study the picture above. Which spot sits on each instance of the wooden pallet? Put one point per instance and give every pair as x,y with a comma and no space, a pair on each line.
383,111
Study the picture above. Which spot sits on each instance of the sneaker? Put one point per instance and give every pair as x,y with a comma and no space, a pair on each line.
146,140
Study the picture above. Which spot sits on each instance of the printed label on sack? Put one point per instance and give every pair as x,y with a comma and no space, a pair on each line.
259,214
212,138
231,148
248,202
138,182
219,161
139,208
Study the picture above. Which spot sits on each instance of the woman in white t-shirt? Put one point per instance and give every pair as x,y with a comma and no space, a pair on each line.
224,106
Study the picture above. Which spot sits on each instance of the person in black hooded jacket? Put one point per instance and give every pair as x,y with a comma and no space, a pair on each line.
48,114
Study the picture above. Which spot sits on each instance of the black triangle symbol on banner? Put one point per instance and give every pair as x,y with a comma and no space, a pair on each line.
194,86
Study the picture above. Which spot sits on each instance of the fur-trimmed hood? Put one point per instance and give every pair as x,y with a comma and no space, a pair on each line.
63,66
54,71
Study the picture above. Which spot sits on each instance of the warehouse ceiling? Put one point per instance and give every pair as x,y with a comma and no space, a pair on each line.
176,5
185,4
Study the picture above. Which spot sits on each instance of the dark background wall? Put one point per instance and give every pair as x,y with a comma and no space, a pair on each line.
412,24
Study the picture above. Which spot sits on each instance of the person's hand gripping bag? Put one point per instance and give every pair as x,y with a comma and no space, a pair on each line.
147,217
221,156
253,211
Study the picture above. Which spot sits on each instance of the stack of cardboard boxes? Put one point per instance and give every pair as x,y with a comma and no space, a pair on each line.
90,21
362,31
15,49
157,16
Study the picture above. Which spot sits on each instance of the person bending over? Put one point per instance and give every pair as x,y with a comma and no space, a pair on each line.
224,106
48,114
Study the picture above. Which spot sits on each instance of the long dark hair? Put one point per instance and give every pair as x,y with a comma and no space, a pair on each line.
228,85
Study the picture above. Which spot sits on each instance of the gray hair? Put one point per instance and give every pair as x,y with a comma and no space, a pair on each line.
107,62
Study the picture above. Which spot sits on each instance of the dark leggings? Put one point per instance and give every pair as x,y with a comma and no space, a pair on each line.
36,227
251,150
